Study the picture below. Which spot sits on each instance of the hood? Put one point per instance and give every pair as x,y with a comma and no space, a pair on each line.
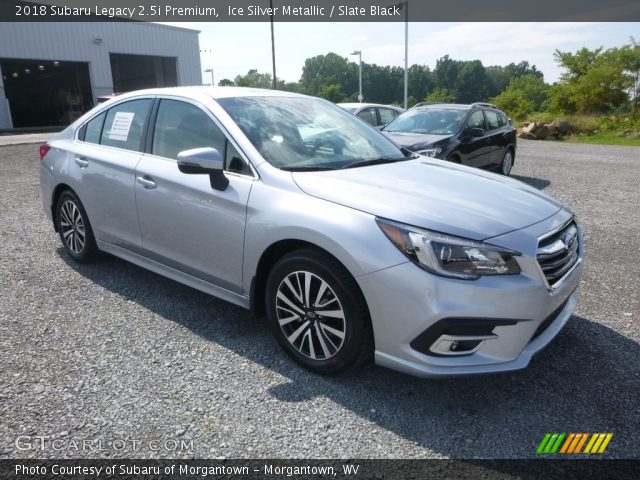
435,195
414,141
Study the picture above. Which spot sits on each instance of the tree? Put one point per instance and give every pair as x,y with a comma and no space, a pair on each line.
471,82
498,77
440,95
514,102
523,96
629,56
594,81
332,92
254,79
420,82
225,82
464,81
329,69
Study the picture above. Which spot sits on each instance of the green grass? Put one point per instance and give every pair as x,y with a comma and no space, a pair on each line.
605,139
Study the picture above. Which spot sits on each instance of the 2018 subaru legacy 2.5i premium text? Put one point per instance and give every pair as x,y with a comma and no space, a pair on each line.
290,206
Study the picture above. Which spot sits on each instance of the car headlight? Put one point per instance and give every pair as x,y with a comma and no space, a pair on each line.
450,256
430,152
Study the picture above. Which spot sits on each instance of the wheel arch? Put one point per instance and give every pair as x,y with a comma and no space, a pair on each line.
512,147
61,187
270,257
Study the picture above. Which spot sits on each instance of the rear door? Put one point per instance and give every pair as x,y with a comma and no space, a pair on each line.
185,223
499,136
103,164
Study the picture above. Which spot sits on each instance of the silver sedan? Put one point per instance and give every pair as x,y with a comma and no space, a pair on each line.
351,247
373,113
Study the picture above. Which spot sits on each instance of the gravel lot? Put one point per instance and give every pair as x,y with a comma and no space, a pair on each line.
110,352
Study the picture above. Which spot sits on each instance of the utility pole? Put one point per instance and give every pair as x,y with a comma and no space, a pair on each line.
273,46
359,53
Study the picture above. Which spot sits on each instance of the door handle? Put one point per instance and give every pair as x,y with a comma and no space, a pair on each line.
82,162
146,182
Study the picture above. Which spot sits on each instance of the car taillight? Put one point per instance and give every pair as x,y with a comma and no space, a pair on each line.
44,149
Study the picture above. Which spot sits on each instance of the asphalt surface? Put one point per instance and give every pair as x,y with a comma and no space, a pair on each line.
119,357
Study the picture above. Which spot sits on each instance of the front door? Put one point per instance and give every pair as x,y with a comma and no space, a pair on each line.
186,224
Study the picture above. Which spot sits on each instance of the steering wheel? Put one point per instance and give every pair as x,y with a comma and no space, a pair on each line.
327,142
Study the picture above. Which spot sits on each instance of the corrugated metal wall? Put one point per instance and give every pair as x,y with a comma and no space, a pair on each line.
74,41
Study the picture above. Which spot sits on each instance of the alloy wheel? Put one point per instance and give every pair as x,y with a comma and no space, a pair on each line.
507,163
310,315
72,227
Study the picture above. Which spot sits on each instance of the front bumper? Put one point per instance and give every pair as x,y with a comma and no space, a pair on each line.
404,301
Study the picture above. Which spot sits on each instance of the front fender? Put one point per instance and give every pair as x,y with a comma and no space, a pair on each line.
352,236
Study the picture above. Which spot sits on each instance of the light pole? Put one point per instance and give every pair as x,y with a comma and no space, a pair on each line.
210,70
405,6
359,53
273,46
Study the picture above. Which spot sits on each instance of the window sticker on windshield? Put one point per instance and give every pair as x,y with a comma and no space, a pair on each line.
121,126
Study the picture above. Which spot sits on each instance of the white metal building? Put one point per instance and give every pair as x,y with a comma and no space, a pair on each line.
51,72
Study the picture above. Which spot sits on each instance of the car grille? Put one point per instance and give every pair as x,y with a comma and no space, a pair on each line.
559,252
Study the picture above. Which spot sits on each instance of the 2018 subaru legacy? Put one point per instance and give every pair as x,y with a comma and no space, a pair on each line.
352,247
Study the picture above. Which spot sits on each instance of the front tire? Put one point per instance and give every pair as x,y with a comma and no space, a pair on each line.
507,162
74,228
317,312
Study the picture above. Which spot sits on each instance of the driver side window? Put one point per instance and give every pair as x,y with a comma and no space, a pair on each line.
476,120
182,126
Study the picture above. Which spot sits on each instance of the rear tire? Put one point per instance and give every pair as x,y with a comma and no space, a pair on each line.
74,228
318,313
507,163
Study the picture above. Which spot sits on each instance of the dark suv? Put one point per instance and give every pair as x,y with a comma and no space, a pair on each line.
478,135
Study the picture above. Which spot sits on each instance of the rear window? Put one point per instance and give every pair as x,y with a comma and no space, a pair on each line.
124,125
93,129
492,119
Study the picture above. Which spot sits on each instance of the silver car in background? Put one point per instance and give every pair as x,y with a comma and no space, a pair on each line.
374,114
292,207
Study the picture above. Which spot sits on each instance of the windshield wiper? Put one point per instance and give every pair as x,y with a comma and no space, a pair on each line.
308,168
375,161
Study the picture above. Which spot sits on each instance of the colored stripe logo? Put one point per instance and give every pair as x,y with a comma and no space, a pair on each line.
572,443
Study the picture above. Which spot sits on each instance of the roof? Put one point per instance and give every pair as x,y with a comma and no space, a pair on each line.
359,105
457,106
213,92
449,106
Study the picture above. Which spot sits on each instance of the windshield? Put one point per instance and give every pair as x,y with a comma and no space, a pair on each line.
431,120
304,133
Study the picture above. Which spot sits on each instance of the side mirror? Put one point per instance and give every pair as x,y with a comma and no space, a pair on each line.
476,132
204,161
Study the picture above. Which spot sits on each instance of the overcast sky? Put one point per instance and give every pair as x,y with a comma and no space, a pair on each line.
238,47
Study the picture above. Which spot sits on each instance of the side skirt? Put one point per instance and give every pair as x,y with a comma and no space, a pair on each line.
176,275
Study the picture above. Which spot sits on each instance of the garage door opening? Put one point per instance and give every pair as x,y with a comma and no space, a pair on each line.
133,72
44,93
